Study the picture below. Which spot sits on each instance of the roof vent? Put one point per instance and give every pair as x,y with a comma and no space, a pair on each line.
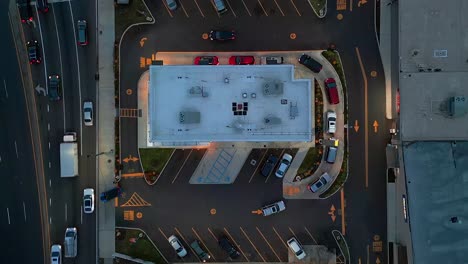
273,88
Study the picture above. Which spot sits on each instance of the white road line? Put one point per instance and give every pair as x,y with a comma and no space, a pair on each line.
4,85
50,220
61,68
230,7
199,9
79,76
8,214
183,8
48,108
66,217
24,211
43,55
49,145
50,201
0,158
48,126
246,8
50,183
16,149
50,165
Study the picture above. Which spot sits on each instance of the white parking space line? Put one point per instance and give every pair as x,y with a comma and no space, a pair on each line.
183,8
61,67
199,9
43,51
48,126
261,5
48,107
49,145
281,10
295,7
8,215
269,245
50,165
276,164
212,234
162,233
251,243
50,181
24,212
181,167
203,243
167,8
214,7
16,149
280,238
4,85
310,234
258,165
246,8
232,9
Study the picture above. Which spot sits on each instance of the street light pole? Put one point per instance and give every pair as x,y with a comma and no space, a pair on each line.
105,152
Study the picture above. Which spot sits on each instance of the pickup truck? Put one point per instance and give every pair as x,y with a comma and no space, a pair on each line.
273,208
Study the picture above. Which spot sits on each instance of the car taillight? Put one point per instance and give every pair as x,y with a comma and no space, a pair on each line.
30,19
22,20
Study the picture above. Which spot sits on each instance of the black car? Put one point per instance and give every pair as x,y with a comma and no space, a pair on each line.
43,5
110,194
55,91
225,244
33,52
222,35
269,165
310,63
25,10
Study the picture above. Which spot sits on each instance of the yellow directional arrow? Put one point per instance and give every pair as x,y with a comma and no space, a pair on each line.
332,208
356,126
142,41
377,261
133,158
257,212
376,126
361,2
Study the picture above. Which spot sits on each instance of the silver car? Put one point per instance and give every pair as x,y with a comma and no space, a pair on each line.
284,165
88,113
322,181
178,247
171,4
56,254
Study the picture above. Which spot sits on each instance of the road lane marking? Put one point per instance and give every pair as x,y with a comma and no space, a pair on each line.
4,85
24,212
253,245
81,214
48,126
43,53
49,145
351,5
366,117
295,7
276,163
50,183
237,244
255,171
162,233
16,149
181,167
66,208
50,165
48,107
280,238
264,11
8,214
50,201
167,8
199,9
343,224
282,13
215,9
310,234
246,8
61,67
232,9
183,8
274,252
186,242
211,232
203,243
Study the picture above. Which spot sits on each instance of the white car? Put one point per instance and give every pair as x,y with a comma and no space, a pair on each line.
88,200
331,122
284,165
322,181
296,248
178,247
88,113
56,254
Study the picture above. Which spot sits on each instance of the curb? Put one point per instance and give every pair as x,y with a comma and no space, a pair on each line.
315,11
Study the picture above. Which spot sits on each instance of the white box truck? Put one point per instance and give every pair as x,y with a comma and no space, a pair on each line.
69,156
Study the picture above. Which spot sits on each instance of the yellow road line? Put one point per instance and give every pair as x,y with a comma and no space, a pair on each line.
181,167
258,165
366,117
203,243
281,239
295,7
246,8
261,5
183,8
274,252
162,233
237,244
279,7
230,7
310,234
343,224
199,9
351,5
131,175
116,202
279,160
167,8
245,234
211,232
186,242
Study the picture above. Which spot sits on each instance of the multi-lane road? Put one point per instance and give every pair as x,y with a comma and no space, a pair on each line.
24,198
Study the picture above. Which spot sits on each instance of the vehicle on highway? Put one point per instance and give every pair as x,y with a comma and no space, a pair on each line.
330,154
206,60
241,60
332,91
69,156
71,242
322,181
220,6
33,52
273,208
43,5
296,248
200,252
310,63
272,60
331,122
178,247
171,4
88,113
269,165
82,32
55,91
25,10
284,165
222,35
56,254
227,246
110,194
88,200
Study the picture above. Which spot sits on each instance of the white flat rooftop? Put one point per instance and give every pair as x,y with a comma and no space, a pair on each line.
194,104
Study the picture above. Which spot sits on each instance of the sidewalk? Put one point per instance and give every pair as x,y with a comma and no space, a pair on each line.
106,137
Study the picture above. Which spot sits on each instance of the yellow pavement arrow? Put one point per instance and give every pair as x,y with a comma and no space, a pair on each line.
142,42
333,217
377,261
133,159
257,212
361,2
356,126
376,126
332,208
126,160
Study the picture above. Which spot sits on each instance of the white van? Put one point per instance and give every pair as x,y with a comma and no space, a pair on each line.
220,6
71,242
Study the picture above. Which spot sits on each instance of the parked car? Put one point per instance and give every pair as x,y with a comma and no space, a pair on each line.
241,60
178,247
225,244
331,122
222,35
204,257
284,165
330,154
43,5
110,194
206,60
25,10
296,248
332,91
88,200
322,181
269,165
88,113
82,32
171,4
70,242
272,60
273,208
56,254
220,6
310,63
33,52
55,91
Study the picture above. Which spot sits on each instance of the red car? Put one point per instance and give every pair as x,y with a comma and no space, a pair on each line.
206,60
241,60
332,91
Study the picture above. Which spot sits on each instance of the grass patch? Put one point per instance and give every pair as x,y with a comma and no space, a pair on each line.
310,163
318,4
334,59
142,249
154,159
126,15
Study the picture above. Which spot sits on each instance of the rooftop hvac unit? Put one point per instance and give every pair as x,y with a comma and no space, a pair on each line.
273,88
457,106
